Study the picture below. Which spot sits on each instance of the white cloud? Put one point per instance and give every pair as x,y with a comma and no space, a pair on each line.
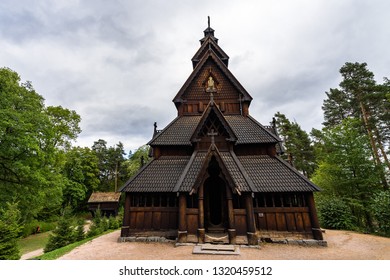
120,63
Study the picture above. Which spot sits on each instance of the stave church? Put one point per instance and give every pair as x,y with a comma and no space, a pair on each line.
216,175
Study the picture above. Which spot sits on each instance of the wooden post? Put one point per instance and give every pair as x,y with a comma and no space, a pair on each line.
126,217
250,220
232,226
182,233
201,229
315,225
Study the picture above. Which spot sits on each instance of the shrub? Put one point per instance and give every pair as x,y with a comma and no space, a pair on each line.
381,209
113,223
334,213
80,234
96,225
63,234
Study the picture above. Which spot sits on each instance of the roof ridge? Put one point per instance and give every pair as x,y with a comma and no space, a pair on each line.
185,171
135,175
162,131
243,171
263,127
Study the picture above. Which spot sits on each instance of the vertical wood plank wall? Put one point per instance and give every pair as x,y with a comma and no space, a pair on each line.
153,218
291,219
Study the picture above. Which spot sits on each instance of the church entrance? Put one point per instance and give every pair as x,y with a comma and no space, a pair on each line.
215,200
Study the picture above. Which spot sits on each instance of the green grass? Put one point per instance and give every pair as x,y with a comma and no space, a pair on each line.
55,254
33,242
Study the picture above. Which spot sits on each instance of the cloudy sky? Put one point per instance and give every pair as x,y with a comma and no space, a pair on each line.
119,64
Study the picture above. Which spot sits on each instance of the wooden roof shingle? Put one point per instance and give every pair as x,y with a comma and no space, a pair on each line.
159,175
272,174
104,197
246,129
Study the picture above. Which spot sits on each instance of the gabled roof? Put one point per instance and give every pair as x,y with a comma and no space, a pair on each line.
159,175
178,132
210,54
210,43
104,197
257,173
250,131
211,108
272,174
182,129
196,171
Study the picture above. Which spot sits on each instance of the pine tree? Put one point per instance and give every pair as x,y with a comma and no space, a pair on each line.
9,232
63,235
298,148
359,96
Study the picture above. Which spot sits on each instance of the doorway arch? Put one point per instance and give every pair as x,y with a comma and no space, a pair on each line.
215,199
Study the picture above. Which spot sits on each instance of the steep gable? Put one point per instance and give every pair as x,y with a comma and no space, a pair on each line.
213,123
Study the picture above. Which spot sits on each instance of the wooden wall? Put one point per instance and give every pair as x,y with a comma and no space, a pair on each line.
153,218
291,219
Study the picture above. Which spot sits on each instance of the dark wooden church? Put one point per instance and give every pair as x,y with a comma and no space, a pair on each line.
216,174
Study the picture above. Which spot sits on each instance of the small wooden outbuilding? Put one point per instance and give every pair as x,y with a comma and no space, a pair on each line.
107,202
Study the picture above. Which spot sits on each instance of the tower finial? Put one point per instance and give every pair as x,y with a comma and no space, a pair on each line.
208,21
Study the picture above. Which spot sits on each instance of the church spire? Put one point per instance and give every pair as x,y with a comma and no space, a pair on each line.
208,32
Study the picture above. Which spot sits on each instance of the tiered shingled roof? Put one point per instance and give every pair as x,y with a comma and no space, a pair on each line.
260,173
249,173
247,130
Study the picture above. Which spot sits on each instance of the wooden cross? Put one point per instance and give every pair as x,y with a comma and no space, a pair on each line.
212,134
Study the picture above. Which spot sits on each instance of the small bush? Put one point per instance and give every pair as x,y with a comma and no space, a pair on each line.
63,234
96,227
334,213
113,223
80,233
381,209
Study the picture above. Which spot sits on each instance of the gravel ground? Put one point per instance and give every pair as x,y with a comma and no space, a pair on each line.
342,245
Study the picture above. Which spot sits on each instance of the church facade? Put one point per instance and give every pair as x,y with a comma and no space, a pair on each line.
215,173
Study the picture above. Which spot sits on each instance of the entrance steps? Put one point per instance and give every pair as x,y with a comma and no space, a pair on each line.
213,249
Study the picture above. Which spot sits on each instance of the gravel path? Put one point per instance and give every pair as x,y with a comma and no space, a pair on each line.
341,245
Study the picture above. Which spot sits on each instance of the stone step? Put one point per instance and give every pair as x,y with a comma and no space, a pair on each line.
218,247
212,249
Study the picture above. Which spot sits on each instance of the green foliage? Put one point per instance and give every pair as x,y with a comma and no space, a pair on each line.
113,223
298,148
64,234
334,213
9,232
110,164
345,169
33,138
32,227
133,164
97,225
359,97
82,176
381,208
80,233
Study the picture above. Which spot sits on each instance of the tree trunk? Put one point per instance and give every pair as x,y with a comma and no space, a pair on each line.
374,148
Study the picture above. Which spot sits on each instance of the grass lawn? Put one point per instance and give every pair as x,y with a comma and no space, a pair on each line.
33,242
